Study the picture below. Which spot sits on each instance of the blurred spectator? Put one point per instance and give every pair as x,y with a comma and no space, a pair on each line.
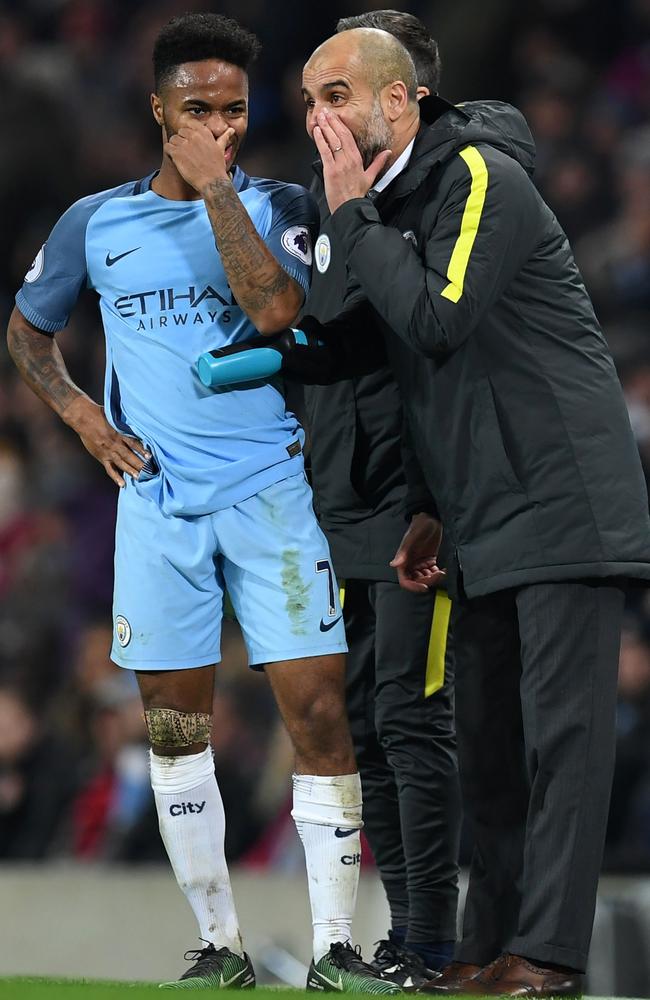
115,796
635,377
628,834
615,259
38,775
26,532
240,731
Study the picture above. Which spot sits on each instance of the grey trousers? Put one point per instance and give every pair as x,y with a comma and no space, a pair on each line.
536,675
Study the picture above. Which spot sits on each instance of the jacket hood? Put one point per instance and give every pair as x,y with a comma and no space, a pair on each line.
502,126
491,122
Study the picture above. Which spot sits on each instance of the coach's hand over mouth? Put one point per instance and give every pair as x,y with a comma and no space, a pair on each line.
416,560
118,454
200,158
343,172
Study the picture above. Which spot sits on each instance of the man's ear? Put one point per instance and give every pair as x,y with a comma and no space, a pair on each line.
394,100
157,109
422,92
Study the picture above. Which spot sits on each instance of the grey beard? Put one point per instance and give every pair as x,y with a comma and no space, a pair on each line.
375,136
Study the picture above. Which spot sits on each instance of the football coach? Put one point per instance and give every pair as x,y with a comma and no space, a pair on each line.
522,436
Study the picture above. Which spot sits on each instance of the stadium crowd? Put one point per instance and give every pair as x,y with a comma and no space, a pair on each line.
73,778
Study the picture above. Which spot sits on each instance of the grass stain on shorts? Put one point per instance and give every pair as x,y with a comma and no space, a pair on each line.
296,590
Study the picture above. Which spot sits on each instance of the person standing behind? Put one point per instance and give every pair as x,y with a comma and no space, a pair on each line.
399,671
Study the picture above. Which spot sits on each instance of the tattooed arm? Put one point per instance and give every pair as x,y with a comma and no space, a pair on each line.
40,362
263,289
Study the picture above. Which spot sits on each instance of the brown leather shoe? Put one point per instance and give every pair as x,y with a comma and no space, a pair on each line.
514,976
451,978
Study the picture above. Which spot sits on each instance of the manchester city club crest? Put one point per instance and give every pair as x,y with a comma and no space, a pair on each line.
122,630
323,253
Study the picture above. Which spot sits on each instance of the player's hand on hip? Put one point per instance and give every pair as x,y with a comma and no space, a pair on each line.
199,157
118,454
343,172
416,560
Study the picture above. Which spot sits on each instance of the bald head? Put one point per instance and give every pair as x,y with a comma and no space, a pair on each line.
376,56
367,79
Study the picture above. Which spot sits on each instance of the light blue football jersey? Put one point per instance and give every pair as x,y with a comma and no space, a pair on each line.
164,300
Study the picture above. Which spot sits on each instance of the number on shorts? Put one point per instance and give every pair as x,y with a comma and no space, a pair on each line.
324,566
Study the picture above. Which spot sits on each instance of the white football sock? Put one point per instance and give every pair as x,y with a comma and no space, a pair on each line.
193,826
327,812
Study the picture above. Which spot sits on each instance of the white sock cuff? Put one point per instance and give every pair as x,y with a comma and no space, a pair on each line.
328,800
172,775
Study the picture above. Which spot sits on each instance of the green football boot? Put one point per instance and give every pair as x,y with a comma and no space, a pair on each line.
216,970
343,970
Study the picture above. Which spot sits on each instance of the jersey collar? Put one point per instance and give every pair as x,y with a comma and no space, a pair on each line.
240,181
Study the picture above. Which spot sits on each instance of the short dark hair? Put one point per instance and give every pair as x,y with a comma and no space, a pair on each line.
197,36
412,33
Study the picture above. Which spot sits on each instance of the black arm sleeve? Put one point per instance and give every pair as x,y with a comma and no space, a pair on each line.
419,499
350,345
433,297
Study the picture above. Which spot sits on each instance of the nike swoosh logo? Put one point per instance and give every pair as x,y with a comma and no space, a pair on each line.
343,833
113,260
228,982
336,986
326,628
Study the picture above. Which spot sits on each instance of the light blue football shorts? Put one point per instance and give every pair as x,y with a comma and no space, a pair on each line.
170,575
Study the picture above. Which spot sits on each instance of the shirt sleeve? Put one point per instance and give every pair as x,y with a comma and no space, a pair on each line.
294,226
348,346
52,284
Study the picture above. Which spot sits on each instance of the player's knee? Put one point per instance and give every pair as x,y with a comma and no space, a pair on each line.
325,713
171,731
321,728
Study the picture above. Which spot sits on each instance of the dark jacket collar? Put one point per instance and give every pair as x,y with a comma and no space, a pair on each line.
441,126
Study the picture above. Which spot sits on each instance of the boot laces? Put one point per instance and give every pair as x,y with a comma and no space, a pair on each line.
344,956
389,954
